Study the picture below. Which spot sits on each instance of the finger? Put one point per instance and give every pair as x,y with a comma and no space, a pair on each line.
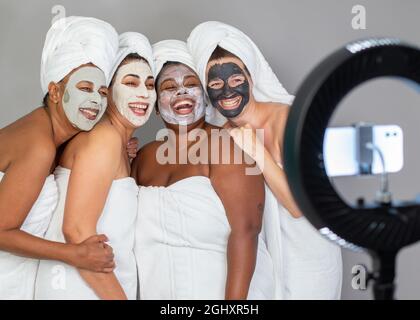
133,140
109,264
108,249
107,270
101,238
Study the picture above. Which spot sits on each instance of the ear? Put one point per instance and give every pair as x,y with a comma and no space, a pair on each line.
54,92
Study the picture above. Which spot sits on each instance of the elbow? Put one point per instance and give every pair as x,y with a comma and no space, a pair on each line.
72,233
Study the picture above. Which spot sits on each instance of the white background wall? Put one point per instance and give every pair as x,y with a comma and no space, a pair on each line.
294,36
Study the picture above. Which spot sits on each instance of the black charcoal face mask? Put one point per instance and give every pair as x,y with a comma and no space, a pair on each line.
228,88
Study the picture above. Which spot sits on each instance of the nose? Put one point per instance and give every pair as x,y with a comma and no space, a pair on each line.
181,91
96,99
143,92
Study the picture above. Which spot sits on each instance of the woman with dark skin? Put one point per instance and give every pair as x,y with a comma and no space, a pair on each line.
180,101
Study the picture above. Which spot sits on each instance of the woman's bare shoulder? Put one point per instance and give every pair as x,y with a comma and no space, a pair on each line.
31,134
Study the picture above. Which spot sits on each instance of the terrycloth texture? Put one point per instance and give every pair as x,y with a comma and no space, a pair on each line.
204,39
17,274
171,50
57,280
133,42
73,41
181,242
307,265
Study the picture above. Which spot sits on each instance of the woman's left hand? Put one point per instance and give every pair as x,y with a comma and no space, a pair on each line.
132,147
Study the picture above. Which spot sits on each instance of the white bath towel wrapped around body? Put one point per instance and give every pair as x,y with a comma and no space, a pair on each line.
57,280
181,242
17,274
307,265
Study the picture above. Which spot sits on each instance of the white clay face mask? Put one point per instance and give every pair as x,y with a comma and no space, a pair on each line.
133,92
82,102
181,95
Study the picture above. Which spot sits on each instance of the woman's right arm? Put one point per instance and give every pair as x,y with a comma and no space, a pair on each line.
19,189
93,171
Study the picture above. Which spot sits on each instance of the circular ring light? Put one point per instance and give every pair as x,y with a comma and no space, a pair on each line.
382,229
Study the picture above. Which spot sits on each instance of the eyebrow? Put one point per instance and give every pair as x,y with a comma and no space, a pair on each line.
166,80
191,76
89,82
132,75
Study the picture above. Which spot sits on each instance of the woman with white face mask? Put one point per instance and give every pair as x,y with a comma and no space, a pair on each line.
97,193
246,95
197,234
73,78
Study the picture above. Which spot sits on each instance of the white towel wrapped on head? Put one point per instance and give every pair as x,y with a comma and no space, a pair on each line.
204,39
74,41
133,42
172,51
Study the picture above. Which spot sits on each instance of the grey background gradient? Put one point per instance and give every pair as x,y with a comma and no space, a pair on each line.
294,35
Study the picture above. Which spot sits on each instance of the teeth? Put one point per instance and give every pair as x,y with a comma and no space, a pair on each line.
230,102
183,106
90,111
139,106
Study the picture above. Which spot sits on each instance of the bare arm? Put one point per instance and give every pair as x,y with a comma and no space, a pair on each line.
243,198
246,138
93,171
19,189
276,179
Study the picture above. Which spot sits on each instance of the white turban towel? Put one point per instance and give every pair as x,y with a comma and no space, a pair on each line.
174,51
74,41
133,42
204,39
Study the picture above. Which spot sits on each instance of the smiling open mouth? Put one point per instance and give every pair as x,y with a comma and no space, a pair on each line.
89,113
232,103
184,107
139,108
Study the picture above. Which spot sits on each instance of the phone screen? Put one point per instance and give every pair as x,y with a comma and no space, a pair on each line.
340,150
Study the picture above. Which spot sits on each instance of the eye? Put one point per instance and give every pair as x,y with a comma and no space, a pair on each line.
130,84
216,84
168,86
85,89
150,84
103,92
236,80
85,86
130,81
192,84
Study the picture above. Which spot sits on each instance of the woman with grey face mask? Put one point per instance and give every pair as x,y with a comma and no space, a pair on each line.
199,220
244,91
73,77
97,193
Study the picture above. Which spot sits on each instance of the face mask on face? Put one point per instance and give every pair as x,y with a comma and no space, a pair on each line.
181,96
133,92
82,102
228,88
